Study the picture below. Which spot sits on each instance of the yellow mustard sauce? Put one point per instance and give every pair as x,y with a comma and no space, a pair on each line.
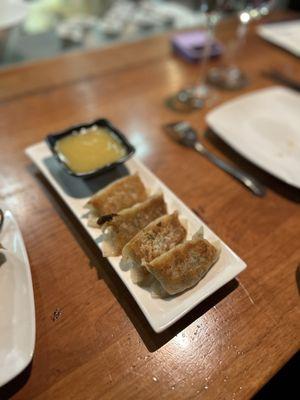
89,149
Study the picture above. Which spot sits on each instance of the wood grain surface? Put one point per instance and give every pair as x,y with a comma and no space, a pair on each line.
101,346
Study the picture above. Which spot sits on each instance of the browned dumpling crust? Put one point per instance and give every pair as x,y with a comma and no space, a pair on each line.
121,194
155,239
124,225
184,265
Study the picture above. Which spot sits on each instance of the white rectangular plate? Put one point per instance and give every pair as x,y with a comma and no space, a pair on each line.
284,34
264,127
17,315
160,313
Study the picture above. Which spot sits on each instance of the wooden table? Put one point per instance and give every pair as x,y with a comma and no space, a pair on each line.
101,346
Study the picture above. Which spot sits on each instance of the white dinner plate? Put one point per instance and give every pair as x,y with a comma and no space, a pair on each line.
263,126
75,193
17,315
284,34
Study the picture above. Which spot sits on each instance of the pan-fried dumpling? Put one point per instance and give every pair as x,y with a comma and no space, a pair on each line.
155,239
119,228
184,265
120,194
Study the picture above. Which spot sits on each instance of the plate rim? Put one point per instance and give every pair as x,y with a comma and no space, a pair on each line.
23,256
211,115
265,33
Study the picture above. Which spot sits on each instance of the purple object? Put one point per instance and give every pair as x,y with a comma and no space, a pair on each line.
190,45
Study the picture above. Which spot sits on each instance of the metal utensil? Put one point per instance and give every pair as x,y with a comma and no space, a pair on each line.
280,77
183,133
1,224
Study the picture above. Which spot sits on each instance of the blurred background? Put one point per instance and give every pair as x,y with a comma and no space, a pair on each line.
35,29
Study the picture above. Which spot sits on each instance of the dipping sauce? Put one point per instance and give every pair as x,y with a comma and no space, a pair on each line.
90,149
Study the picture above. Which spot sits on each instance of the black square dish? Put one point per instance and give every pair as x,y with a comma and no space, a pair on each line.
52,139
